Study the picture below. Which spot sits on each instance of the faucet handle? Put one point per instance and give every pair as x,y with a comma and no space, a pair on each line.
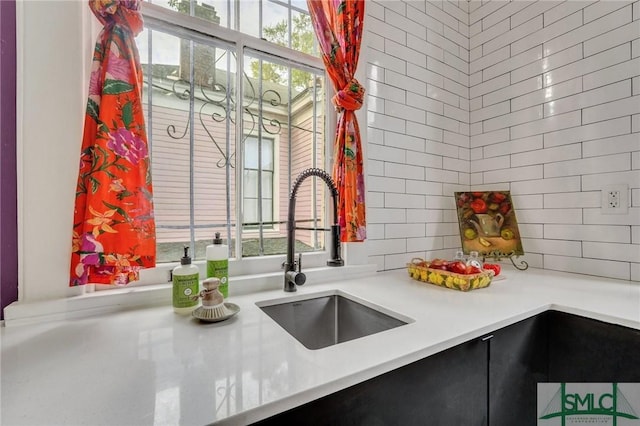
299,262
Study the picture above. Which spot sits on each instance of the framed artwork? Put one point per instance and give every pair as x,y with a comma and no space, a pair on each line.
488,224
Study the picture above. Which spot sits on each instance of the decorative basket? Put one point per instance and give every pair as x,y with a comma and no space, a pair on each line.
419,270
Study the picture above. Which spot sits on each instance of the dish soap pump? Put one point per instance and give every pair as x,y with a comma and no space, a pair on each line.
217,255
185,285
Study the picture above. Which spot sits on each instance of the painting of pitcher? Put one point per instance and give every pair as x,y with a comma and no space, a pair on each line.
488,223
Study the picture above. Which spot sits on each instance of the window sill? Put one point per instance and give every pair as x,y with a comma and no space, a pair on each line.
119,299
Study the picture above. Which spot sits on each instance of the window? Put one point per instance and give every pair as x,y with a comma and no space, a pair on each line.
232,118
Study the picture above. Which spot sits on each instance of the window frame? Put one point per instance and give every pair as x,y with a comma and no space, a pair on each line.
171,21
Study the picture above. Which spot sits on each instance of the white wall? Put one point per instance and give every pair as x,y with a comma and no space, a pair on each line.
425,64
554,115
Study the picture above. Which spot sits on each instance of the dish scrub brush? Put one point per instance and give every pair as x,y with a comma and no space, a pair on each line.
213,306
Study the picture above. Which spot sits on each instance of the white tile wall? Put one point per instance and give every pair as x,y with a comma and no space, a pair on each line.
538,97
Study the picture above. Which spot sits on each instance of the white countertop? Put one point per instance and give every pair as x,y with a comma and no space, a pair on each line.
151,366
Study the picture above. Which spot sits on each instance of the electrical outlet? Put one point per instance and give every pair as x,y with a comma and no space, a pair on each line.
614,199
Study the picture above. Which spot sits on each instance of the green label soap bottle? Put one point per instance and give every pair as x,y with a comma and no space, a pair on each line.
218,263
185,285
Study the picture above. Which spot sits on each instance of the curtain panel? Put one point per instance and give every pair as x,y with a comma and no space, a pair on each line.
113,223
338,25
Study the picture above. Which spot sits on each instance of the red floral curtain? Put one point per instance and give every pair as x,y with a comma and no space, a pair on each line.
113,224
338,26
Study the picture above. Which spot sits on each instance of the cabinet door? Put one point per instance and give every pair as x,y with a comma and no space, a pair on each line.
586,350
517,362
448,388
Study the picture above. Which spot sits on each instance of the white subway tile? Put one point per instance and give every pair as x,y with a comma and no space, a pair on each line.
423,74
527,231
612,38
409,201
592,165
547,94
404,141
515,36
497,30
403,171
490,111
400,21
571,216
375,41
424,244
422,131
385,91
385,153
376,10
441,16
439,175
612,251
380,247
561,153
599,130
383,60
533,10
548,63
424,188
425,47
385,30
422,18
442,122
385,215
492,163
597,182
595,216
592,63
446,44
635,160
567,200
424,103
608,75
396,6
386,184
441,229
453,10
619,108
635,123
464,104
475,54
590,30
598,233
450,146
457,63
527,201
475,103
484,10
456,113
553,247
563,9
512,91
491,59
423,159
513,174
549,124
635,85
465,129
601,8
635,270
403,82
490,85
475,29
547,186
375,104
513,63
635,48
374,231
475,129
489,138
589,98
375,73
526,115
513,146
635,235
547,33
597,267
385,122
402,52
503,13
403,111
457,88
636,11
456,37
618,144
439,202
375,168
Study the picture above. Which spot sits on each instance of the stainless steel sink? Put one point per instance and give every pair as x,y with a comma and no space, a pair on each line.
329,318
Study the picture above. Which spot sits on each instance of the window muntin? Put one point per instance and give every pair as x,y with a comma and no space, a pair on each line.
191,94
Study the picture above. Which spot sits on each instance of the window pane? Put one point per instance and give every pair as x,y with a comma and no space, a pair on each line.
251,184
267,154
192,141
267,184
251,153
250,210
275,23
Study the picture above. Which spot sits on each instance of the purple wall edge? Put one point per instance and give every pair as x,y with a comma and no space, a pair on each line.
8,178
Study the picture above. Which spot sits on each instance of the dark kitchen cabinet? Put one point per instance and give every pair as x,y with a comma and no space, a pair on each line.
448,388
491,380
517,363
586,350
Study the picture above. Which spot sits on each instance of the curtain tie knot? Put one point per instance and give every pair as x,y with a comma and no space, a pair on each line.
122,12
350,97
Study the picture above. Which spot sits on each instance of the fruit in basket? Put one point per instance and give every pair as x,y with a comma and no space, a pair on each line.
457,267
470,233
492,267
439,264
472,269
507,234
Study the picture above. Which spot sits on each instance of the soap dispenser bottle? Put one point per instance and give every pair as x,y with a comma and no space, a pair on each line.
217,255
185,285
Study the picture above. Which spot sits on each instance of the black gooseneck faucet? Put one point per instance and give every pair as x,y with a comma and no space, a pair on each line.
293,270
